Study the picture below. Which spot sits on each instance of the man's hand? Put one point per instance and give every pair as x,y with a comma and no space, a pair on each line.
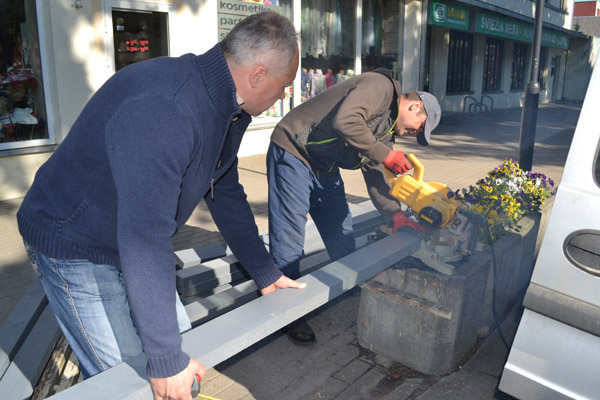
397,162
282,283
177,387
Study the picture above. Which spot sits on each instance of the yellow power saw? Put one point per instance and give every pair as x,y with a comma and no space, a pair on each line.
451,228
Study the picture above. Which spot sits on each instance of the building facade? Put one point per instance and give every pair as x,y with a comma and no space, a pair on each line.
586,9
473,55
480,53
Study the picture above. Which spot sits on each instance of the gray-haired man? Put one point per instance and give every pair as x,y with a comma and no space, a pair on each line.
156,139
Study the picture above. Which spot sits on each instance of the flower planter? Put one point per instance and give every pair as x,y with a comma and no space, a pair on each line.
427,320
515,258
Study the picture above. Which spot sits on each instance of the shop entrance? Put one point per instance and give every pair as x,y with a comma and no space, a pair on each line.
556,75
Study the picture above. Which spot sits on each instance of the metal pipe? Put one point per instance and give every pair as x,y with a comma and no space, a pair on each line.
532,96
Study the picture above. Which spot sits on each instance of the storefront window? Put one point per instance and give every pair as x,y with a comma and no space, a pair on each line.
22,107
328,44
519,64
542,73
492,64
381,35
460,54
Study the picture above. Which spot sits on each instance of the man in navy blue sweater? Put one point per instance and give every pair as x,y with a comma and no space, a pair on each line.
156,139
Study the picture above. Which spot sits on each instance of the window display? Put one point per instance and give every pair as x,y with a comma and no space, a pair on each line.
381,32
22,107
139,36
328,44
492,64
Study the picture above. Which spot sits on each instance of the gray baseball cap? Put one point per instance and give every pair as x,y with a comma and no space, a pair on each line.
434,113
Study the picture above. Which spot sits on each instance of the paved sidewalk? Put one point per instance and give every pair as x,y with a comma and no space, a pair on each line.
463,149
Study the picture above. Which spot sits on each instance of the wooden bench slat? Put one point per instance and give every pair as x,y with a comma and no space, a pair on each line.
51,375
70,375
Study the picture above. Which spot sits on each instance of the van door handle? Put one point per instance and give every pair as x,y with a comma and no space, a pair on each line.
582,249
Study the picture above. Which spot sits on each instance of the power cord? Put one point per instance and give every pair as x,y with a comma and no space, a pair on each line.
494,271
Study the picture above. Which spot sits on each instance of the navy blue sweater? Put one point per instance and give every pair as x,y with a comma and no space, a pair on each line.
156,139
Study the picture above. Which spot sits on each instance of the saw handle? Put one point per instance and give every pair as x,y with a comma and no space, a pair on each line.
418,169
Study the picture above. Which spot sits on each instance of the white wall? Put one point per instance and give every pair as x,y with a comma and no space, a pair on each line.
413,45
77,42
76,65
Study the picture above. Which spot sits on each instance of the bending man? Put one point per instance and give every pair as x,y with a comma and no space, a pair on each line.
350,125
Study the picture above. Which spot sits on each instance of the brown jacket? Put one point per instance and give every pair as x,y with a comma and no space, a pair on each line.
347,126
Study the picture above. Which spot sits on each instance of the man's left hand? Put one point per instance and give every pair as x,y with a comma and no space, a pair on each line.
282,283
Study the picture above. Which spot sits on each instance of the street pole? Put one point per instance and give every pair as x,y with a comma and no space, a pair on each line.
532,95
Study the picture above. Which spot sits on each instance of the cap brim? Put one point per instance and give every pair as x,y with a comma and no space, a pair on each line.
423,138
432,108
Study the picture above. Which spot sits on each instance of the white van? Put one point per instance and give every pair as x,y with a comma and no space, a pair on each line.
556,351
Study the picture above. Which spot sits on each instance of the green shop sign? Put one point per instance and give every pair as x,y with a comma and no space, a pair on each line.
491,24
448,15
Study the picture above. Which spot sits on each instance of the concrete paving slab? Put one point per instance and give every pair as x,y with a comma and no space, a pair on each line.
306,379
463,385
365,387
353,371
403,391
492,354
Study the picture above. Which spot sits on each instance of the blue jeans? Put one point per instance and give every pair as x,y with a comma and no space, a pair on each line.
294,192
91,307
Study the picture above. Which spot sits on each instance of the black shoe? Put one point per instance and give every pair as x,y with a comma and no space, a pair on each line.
300,333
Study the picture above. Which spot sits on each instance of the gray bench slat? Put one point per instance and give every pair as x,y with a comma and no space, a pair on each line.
196,279
211,307
190,257
197,297
24,371
251,322
20,322
210,284
372,220
204,309
223,337
206,271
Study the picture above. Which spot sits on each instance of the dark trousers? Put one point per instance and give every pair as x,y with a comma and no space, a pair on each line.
294,192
